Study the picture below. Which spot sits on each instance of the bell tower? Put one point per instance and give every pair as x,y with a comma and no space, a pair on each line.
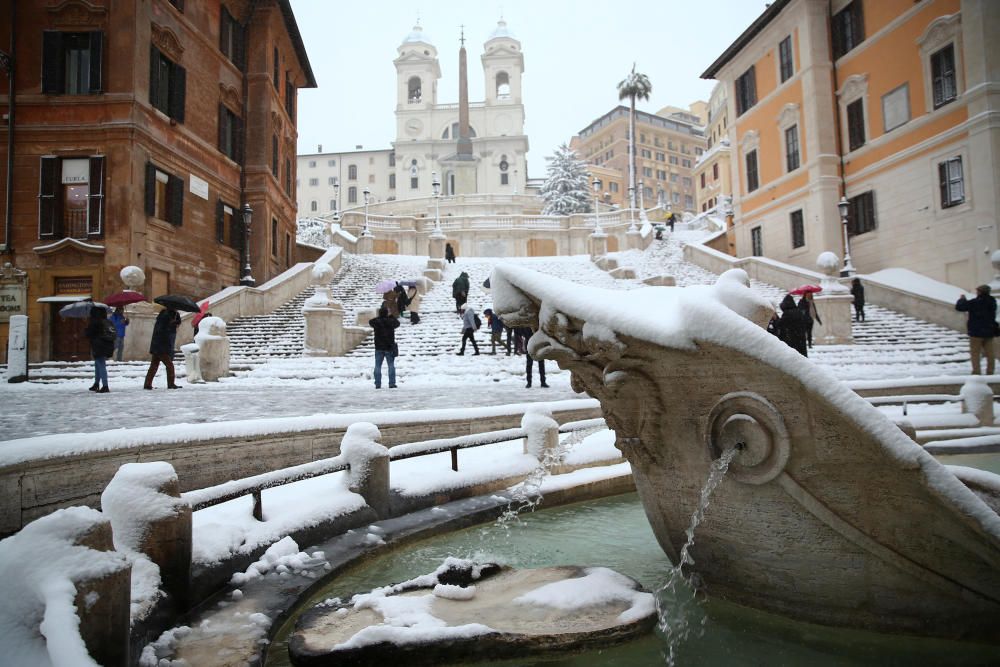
503,65
417,72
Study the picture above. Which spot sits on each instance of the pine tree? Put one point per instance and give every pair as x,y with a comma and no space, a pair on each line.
567,187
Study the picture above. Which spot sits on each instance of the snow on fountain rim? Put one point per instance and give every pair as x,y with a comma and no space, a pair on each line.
680,317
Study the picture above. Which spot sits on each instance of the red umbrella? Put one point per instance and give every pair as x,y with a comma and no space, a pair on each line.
806,288
200,315
124,298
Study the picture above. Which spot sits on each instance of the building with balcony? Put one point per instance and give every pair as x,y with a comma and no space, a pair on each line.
888,103
140,130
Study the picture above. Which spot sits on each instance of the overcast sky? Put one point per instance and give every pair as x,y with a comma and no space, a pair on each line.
575,53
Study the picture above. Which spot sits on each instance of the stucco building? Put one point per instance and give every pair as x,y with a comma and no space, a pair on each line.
329,182
140,131
887,102
712,180
667,145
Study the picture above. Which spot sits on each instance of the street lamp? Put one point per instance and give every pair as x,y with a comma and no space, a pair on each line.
631,204
642,205
844,206
367,195
597,207
436,189
336,195
515,181
247,279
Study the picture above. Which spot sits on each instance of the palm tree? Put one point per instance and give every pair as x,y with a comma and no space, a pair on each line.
635,85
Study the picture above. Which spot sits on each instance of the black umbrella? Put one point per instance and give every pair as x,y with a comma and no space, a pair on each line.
177,302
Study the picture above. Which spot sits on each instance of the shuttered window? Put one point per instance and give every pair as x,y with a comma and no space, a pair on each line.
231,41
72,62
164,195
167,85
951,180
861,214
230,134
753,181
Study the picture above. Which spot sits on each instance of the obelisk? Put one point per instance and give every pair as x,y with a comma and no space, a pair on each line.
462,165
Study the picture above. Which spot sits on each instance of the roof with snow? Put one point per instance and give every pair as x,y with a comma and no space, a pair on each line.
416,36
502,32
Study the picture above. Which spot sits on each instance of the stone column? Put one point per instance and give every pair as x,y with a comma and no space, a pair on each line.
141,317
324,317
833,305
213,348
435,245
633,239
369,462
366,244
598,245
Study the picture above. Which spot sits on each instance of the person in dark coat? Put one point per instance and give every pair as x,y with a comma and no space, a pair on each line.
808,306
496,329
161,347
449,253
385,345
402,301
793,325
460,291
525,334
101,334
981,326
858,291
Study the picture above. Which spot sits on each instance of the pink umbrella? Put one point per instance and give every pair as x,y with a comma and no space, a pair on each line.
203,309
806,288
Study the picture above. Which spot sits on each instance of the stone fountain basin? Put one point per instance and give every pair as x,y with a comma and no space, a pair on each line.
508,614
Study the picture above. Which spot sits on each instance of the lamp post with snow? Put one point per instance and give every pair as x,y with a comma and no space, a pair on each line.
515,181
597,207
844,207
367,195
247,279
436,191
631,204
336,197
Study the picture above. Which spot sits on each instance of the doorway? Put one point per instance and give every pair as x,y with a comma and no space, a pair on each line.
68,341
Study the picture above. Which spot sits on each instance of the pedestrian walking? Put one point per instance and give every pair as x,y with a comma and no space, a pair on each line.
449,253
469,326
120,321
793,325
413,294
161,347
460,291
981,326
495,324
858,291
385,345
390,301
808,306
402,300
101,334
525,334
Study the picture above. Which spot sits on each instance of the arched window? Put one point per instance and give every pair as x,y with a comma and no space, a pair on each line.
414,171
504,167
413,90
352,195
503,86
454,132
352,172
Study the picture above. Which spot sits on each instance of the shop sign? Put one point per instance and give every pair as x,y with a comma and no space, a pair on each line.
73,286
12,301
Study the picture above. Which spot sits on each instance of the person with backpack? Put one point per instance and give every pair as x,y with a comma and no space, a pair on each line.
460,291
120,321
496,329
161,347
101,334
470,323
385,345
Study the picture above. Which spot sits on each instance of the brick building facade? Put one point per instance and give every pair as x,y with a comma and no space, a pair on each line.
140,130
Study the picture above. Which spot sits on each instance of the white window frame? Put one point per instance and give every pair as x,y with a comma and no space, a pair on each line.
941,32
749,142
789,117
962,152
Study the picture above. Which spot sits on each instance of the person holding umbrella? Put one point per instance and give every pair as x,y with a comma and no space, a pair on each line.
101,334
161,346
120,321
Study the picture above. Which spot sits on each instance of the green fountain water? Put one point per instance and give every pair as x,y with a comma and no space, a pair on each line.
614,533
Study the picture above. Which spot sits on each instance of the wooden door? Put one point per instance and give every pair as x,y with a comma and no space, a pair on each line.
68,341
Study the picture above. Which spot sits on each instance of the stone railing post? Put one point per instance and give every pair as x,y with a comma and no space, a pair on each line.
148,517
633,239
369,461
598,246
435,244
542,437
213,345
977,399
833,305
324,317
366,244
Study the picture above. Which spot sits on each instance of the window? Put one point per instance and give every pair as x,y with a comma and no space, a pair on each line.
647,192
661,175
274,155
673,160
392,181
861,213
352,195
288,249
352,172
274,237
331,163
752,180
71,198
231,38
288,176
856,124
673,178
164,195
333,204
746,91
503,86
332,180
276,69
289,96
166,85
313,182
228,230
414,178
785,59
646,153
688,202
952,182
756,242
943,79
642,138
647,172
392,160
71,62
848,29
798,229
715,171
661,157
371,178
230,133
413,94
312,164
686,163
792,148
703,179
686,181
314,205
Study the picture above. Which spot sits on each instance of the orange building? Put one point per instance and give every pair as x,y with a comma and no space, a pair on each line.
140,129
712,181
890,103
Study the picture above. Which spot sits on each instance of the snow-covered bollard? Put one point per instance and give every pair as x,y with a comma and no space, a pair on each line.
213,346
324,317
192,363
17,349
833,304
369,461
542,431
149,518
598,242
65,592
977,399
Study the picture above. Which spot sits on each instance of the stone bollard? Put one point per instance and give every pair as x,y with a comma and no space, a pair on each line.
141,318
542,438
213,345
833,305
369,461
366,244
17,349
435,246
324,317
633,239
192,364
148,517
977,399
598,245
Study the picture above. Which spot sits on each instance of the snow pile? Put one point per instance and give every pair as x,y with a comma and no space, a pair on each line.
132,501
155,654
360,445
39,622
599,586
281,558
978,398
